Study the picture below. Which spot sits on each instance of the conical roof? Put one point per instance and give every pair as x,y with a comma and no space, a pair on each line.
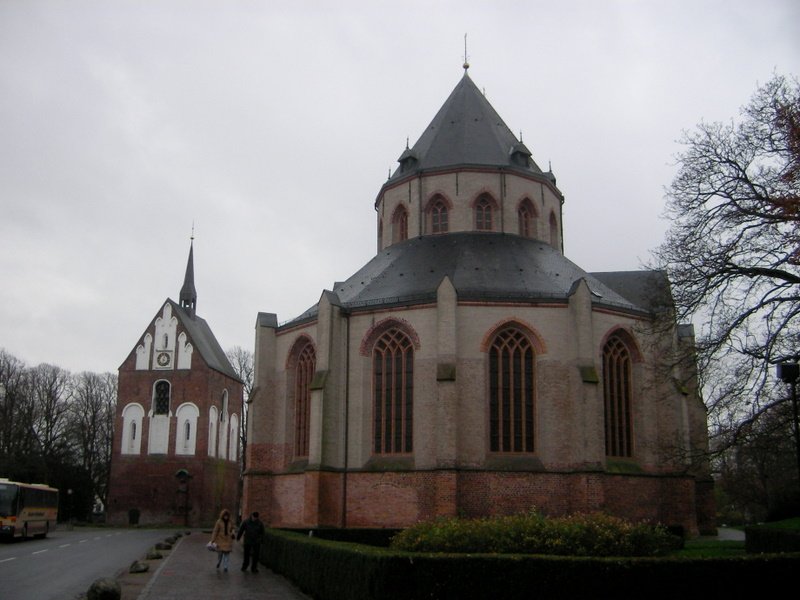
188,294
467,131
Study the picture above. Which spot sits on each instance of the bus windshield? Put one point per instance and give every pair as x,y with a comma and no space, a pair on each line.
8,500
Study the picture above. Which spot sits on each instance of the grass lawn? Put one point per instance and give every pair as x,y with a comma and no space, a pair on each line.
701,548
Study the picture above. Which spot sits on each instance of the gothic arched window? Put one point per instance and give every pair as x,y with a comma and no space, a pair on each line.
553,231
393,375
400,225
161,398
617,396
483,214
512,392
305,365
439,216
526,215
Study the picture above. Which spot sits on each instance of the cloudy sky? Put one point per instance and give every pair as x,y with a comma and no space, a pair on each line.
272,125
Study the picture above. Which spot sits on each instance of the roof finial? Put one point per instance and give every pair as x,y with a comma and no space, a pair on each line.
466,62
549,166
406,142
520,136
192,236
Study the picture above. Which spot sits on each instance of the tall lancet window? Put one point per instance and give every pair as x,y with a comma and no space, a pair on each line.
617,395
439,217
512,392
400,225
526,215
483,214
303,375
393,374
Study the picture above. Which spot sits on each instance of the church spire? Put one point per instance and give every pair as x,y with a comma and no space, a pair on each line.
188,295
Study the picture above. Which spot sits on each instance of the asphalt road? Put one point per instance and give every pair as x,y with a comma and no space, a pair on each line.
65,564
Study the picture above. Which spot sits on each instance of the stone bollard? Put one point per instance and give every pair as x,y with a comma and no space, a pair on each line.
163,546
138,566
104,588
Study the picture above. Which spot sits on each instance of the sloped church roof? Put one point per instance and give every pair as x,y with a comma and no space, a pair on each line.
466,131
492,266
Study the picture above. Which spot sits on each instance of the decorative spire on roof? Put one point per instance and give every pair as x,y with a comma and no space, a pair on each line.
188,295
466,61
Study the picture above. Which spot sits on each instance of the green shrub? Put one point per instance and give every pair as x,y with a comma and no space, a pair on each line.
593,534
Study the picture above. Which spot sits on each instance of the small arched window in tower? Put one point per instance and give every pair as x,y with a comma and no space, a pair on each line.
439,220
393,377
526,215
165,341
223,415
161,398
553,231
617,393
133,432
303,375
187,433
400,225
483,214
512,390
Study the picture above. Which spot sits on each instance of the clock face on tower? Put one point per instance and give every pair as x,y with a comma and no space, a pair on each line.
162,359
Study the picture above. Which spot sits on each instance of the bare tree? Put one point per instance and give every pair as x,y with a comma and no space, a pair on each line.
732,253
243,365
92,419
51,387
18,448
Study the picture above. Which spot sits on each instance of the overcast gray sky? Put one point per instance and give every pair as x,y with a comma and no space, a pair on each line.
272,125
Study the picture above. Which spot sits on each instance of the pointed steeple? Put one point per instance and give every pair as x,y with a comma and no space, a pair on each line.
188,295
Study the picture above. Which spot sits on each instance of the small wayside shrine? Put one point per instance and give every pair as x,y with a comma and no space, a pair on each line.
176,435
470,368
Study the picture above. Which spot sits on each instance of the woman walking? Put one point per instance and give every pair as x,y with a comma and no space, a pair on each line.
223,537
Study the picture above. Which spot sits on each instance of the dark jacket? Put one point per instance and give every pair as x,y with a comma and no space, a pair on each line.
252,530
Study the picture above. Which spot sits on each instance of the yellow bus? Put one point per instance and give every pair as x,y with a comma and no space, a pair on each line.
27,509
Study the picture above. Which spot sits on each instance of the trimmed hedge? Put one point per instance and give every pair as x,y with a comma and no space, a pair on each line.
763,538
330,570
593,534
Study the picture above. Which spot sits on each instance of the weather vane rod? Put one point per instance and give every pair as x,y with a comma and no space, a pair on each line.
466,62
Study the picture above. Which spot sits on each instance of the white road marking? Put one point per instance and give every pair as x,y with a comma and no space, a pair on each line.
81,541
64,545
8,559
40,551
97,538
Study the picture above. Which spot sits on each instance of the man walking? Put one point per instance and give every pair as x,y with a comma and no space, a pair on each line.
253,531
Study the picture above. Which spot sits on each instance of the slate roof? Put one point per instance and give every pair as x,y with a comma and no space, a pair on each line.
466,131
204,341
485,267
648,289
188,293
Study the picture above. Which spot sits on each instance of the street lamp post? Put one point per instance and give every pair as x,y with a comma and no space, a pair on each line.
789,373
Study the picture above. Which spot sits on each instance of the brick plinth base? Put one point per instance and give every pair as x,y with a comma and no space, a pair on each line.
401,498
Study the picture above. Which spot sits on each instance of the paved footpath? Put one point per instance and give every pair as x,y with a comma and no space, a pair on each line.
189,573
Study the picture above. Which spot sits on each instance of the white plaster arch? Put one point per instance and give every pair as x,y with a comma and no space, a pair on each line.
213,417
132,417
143,353
186,416
233,445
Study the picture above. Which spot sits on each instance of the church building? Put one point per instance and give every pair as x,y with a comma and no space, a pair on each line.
176,437
470,368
